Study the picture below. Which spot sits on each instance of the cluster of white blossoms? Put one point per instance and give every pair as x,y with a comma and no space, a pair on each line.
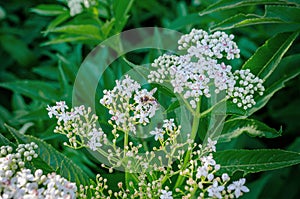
129,105
16,181
153,170
198,72
77,6
77,123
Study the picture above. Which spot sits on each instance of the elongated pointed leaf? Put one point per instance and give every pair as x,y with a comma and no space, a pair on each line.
253,161
4,141
235,127
286,71
268,56
18,50
71,38
52,159
57,21
49,9
121,9
44,91
87,30
241,20
273,14
231,4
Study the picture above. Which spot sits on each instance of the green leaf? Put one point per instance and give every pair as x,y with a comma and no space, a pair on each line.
241,20
232,4
283,73
55,22
273,14
173,106
235,127
65,38
18,50
253,161
18,103
183,21
49,72
55,160
66,89
4,141
268,56
130,177
33,115
121,9
84,30
49,9
287,14
45,91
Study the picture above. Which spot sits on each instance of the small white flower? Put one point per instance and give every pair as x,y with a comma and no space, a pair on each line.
158,133
202,171
215,190
166,194
238,187
211,145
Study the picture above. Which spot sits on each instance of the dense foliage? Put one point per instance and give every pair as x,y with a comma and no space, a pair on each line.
44,43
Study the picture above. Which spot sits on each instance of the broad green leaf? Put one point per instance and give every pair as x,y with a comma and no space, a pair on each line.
235,127
33,115
49,9
241,20
253,161
121,9
285,72
288,14
45,91
18,102
4,141
268,56
257,187
107,27
183,21
55,22
69,68
18,50
84,30
273,14
66,89
54,159
65,38
49,72
173,106
231,4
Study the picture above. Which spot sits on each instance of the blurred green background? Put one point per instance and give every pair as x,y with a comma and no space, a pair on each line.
39,63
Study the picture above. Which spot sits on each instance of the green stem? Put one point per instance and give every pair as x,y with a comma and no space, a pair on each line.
195,126
125,142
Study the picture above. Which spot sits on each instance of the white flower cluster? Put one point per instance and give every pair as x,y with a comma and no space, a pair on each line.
76,6
202,175
78,122
198,73
199,174
129,105
246,86
200,43
168,128
16,181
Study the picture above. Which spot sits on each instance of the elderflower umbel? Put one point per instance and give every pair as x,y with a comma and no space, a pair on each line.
16,181
78,122
129,105
193,74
